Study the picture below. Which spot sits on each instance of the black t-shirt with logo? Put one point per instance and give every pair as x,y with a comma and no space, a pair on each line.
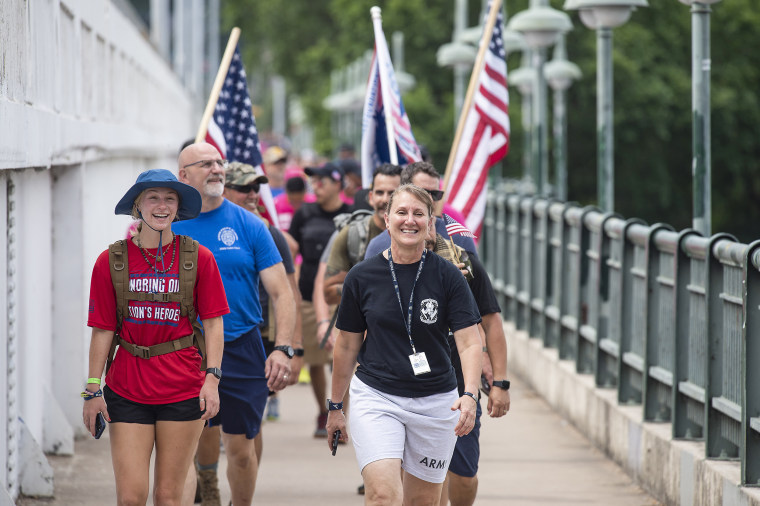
442,300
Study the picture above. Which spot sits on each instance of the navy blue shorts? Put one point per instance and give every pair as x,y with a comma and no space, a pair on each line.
243,389
121,409
464,462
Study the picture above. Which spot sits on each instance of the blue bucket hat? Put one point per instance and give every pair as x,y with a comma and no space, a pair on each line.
189,198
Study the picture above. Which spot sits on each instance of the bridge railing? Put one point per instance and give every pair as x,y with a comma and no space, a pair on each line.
670,319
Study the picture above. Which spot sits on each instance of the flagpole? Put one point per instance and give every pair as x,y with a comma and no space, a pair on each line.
218,83
474,77
377,22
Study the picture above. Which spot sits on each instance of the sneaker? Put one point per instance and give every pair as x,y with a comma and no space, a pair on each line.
303,376
273,409
209,488
321,426
360,490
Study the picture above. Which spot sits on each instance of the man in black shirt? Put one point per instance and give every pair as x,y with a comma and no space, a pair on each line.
312,227
461,486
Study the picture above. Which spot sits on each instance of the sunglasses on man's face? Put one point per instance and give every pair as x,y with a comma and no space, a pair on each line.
435,194
245,188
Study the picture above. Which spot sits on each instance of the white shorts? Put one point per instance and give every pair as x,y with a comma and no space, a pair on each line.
417,430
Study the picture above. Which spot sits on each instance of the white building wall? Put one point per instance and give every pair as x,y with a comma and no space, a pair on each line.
86,103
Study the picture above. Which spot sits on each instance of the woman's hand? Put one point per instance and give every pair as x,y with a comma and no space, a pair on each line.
209,397
468,409
90,412
336,420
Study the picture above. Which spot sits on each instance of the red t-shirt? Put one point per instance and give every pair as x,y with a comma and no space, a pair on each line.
168,378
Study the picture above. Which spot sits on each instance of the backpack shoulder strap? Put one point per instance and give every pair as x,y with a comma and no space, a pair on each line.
358,232
188,273
119,265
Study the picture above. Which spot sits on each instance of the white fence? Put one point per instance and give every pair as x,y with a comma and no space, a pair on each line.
86,103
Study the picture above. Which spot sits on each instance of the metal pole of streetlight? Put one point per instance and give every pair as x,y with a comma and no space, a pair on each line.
560,73
529,170
559,125
700,93
540,135
605,126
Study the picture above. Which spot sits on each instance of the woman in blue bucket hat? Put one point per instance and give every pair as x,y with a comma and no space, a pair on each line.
147,294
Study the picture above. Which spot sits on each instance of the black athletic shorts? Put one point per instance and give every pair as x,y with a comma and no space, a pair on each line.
124,410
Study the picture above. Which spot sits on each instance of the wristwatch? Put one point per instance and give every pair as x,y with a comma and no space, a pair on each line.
503,384
286,349
334,406
215,371
298,352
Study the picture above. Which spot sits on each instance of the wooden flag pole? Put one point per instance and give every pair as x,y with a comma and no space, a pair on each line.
476,70
218,83
377,24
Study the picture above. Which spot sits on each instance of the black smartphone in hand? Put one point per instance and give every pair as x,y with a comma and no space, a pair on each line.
336,438
485,387
100,425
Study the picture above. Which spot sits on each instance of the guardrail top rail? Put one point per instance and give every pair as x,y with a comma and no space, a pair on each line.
670,319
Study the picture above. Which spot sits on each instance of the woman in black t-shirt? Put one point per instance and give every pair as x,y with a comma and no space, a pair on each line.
405,409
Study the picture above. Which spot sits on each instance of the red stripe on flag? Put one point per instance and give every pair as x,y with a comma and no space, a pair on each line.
487,141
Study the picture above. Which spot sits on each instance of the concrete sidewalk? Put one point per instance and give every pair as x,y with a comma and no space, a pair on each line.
530,457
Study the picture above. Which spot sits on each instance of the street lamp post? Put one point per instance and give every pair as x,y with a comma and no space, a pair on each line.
560,74
459,55
462,51
540,25
603,16
524,79
700,97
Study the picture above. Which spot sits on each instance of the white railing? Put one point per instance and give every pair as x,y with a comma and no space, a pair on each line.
86,103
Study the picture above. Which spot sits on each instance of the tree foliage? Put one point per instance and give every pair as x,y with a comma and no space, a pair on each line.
304,40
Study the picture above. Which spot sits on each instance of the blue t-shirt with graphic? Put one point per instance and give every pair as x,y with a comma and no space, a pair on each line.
242,247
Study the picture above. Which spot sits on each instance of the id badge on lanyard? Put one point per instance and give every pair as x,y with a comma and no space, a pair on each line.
418,360
419,363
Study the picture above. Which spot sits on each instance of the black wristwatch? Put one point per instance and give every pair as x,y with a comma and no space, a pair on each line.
286,349
503,384
334,406
298,352
215,371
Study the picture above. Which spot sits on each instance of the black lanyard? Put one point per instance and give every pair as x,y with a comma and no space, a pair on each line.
408,319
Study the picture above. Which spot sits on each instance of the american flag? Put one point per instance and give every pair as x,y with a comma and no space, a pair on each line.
453,227
232,128
375,148
485,137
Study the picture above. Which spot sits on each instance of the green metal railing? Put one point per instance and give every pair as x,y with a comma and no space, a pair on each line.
670,319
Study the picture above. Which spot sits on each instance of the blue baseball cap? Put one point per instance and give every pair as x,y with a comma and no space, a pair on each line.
189,199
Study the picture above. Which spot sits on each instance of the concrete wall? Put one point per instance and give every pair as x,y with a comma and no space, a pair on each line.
86,103
674,472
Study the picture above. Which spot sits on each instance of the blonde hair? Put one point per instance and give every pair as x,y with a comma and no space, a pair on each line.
415,191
